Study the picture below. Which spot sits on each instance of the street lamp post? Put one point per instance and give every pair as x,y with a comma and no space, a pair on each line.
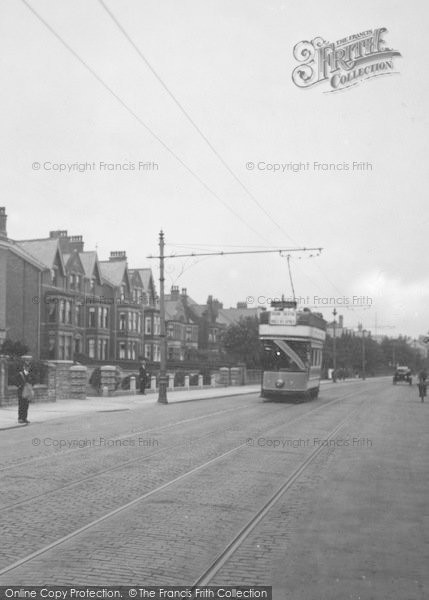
162,395
334,347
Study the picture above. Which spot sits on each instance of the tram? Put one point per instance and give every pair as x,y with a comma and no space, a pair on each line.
292,351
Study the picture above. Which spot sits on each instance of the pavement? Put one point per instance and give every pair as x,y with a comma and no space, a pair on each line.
39,412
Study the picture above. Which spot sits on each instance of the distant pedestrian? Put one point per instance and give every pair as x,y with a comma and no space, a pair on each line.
142,377
422,384
25,391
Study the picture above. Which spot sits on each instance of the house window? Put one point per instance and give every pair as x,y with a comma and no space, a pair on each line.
91,348
52,312
77,346
188,335
61,311
72,280
92,321
100,317
51,347
170,354
170,330
157,325
105,318
139,323
122,292
68,347
78,282
104,350
92,284
147,352
122,321
68,313
156,353
54,277
148,325
78,315
61,347
122,350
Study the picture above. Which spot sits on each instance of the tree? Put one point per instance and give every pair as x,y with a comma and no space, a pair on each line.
241,341
13,349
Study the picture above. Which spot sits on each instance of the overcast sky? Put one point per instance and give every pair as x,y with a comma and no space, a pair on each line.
229,63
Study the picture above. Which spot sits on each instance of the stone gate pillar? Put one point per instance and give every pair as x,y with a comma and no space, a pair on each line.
78,378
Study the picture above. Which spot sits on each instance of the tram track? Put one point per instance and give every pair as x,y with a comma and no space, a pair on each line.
148,457
109,515
63,453
206,577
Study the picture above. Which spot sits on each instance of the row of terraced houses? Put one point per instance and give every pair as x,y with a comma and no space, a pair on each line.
65,303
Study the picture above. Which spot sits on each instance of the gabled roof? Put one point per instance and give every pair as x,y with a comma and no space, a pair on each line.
71,258
114,271
198,309
16,249
89,262
181,307
146,276
174,311
44,250
135,277
231,316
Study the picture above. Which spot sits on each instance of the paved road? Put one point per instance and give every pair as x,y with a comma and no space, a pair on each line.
155,495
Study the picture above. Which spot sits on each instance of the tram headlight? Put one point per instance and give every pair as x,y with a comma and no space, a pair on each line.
279,383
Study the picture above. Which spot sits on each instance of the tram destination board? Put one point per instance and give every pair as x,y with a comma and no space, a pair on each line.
287,316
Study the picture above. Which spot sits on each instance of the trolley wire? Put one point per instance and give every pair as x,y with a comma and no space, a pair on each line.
157,138
200,132
138,119
192,122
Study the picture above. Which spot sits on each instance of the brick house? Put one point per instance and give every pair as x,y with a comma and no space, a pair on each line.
20,283
64,303
181,325
126,325
151,318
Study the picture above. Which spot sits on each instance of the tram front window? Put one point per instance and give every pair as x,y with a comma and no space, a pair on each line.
275,359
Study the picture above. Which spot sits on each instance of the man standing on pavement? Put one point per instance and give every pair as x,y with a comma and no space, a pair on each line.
24,377
142,377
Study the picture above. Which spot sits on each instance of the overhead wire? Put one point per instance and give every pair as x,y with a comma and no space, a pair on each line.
199,131
155,136
138,119
191,120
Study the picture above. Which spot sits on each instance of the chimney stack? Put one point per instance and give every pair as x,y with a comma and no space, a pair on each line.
3,223
174,292
118,255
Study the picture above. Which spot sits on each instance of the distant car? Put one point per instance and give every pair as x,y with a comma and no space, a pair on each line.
402,374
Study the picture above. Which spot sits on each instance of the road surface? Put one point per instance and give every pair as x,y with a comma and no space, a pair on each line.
322,500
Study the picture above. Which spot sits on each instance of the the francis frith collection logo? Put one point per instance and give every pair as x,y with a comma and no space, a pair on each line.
344,63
